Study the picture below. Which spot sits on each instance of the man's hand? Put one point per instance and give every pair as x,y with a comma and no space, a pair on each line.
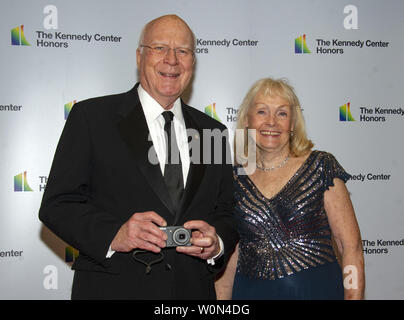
205,243
141,231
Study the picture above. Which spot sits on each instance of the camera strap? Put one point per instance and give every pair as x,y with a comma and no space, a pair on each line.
146,263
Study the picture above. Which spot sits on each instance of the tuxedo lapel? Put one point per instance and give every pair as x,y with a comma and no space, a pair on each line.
134,131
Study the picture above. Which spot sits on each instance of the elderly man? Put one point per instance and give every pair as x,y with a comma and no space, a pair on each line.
108,199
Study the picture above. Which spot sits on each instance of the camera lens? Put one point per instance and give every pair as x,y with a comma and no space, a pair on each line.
181,236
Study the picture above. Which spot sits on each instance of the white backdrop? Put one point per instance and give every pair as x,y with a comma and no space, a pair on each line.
68,51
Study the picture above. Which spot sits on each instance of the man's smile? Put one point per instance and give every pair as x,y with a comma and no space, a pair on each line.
169,75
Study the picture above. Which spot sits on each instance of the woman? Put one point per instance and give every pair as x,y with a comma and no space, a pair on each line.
290,210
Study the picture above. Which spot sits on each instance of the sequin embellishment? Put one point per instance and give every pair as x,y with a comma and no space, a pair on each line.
289,232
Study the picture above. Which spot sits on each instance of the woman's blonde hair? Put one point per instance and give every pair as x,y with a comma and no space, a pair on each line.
299,143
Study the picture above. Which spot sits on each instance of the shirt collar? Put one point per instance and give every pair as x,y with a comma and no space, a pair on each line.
152,109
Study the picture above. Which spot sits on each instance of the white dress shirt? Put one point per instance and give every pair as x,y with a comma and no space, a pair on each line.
155,122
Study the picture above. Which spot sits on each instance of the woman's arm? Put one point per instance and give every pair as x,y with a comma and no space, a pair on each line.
224,282
345,230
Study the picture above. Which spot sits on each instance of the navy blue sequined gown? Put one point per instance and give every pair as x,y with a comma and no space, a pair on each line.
285,248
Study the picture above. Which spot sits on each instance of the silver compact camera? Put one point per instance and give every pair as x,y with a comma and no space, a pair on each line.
177,236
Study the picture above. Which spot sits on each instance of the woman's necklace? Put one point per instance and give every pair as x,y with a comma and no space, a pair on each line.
273,167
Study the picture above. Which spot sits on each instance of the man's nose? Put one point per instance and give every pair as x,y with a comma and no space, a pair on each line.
171,57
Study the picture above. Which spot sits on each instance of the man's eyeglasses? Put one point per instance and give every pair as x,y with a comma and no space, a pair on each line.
160,50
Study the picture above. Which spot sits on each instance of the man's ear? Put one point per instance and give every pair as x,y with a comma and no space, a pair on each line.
138,56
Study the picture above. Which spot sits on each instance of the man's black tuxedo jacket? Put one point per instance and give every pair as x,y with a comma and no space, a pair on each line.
101,176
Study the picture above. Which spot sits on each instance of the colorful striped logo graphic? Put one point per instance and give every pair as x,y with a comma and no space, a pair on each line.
345,112
301,45
210,110
20,183
18,37
68,107
71,254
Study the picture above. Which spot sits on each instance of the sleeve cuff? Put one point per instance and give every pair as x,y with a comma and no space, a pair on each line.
109,253
211,261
